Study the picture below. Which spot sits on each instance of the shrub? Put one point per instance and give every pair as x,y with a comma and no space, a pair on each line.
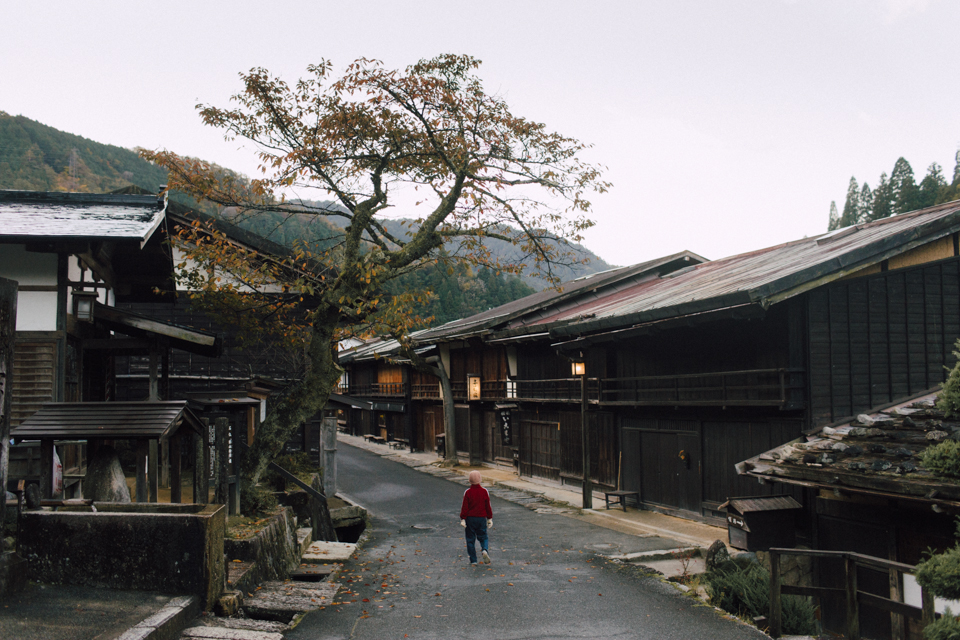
256,500
298,464
946,628
941,573
743,589
949,401
942,459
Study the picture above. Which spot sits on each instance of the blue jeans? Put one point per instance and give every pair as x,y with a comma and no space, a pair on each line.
476,530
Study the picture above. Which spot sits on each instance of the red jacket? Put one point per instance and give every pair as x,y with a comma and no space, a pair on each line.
476,503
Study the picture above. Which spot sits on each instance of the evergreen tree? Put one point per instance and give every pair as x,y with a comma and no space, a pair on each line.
834,222
956,168
851,207
931,186
903,188
865,204
882,199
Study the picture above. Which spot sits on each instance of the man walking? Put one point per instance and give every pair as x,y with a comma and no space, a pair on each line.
475,516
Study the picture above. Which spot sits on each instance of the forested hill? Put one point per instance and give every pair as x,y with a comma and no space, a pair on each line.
898,193
36,157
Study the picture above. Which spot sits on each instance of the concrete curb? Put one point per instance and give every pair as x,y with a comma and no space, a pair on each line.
168,623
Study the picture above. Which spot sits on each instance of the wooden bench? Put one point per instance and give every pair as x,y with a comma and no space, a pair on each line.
372,438
619,497
399,443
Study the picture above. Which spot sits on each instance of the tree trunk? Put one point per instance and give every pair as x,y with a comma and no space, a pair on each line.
300,401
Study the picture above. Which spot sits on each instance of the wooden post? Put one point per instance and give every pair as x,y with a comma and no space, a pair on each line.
853,606
153,477
46,469
897,621
165,463
585,445
8,328
201,470
774,620
176,481
143,452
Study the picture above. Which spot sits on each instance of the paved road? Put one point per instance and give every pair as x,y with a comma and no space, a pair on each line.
548,578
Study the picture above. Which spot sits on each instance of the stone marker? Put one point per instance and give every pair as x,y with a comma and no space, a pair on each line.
716,555
104,481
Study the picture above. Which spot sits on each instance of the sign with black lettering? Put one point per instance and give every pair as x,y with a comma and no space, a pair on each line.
506,431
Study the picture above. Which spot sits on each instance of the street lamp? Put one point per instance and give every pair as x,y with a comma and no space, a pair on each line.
579,368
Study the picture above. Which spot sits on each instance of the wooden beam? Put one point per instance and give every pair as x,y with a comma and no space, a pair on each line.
152,476
143,451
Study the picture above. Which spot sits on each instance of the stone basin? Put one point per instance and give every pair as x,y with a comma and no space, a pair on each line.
170,548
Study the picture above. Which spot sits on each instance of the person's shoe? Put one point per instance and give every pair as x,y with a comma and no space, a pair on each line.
473,564
486,557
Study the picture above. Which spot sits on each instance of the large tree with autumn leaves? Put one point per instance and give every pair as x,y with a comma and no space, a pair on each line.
428,143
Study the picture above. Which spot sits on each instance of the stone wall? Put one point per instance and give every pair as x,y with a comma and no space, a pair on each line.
175,548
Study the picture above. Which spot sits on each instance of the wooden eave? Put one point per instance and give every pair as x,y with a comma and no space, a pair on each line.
183,338
116,420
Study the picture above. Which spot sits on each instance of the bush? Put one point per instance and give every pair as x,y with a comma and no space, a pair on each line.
949,401
941,573
743,589
946,628
256,500
298,464
942,459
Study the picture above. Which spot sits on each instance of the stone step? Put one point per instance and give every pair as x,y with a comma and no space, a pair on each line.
321,551
304,539
309,572
243,623
284,601
225,633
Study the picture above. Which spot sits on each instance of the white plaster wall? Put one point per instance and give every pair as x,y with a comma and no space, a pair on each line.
36,310
27,267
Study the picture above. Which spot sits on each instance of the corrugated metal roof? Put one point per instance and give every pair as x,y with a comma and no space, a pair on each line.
549,298
80,420
767,276
27,216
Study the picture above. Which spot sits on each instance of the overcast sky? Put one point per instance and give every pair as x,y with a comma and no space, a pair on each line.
726,126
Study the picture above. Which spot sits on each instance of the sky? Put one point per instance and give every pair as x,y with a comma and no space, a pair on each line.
724,126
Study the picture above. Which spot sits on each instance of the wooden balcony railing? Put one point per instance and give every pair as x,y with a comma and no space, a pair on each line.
850,594
374,390
425,391
756,387
556,389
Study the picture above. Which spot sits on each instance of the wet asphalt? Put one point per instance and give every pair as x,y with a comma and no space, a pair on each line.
550,576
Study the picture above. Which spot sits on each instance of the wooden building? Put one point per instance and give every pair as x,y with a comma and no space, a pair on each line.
74,257
693,366
871,496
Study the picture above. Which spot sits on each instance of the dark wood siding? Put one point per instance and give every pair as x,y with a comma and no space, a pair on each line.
727,442
879,338
540,447
34,375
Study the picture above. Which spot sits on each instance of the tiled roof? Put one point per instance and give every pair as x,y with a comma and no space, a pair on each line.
877,453
27,216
